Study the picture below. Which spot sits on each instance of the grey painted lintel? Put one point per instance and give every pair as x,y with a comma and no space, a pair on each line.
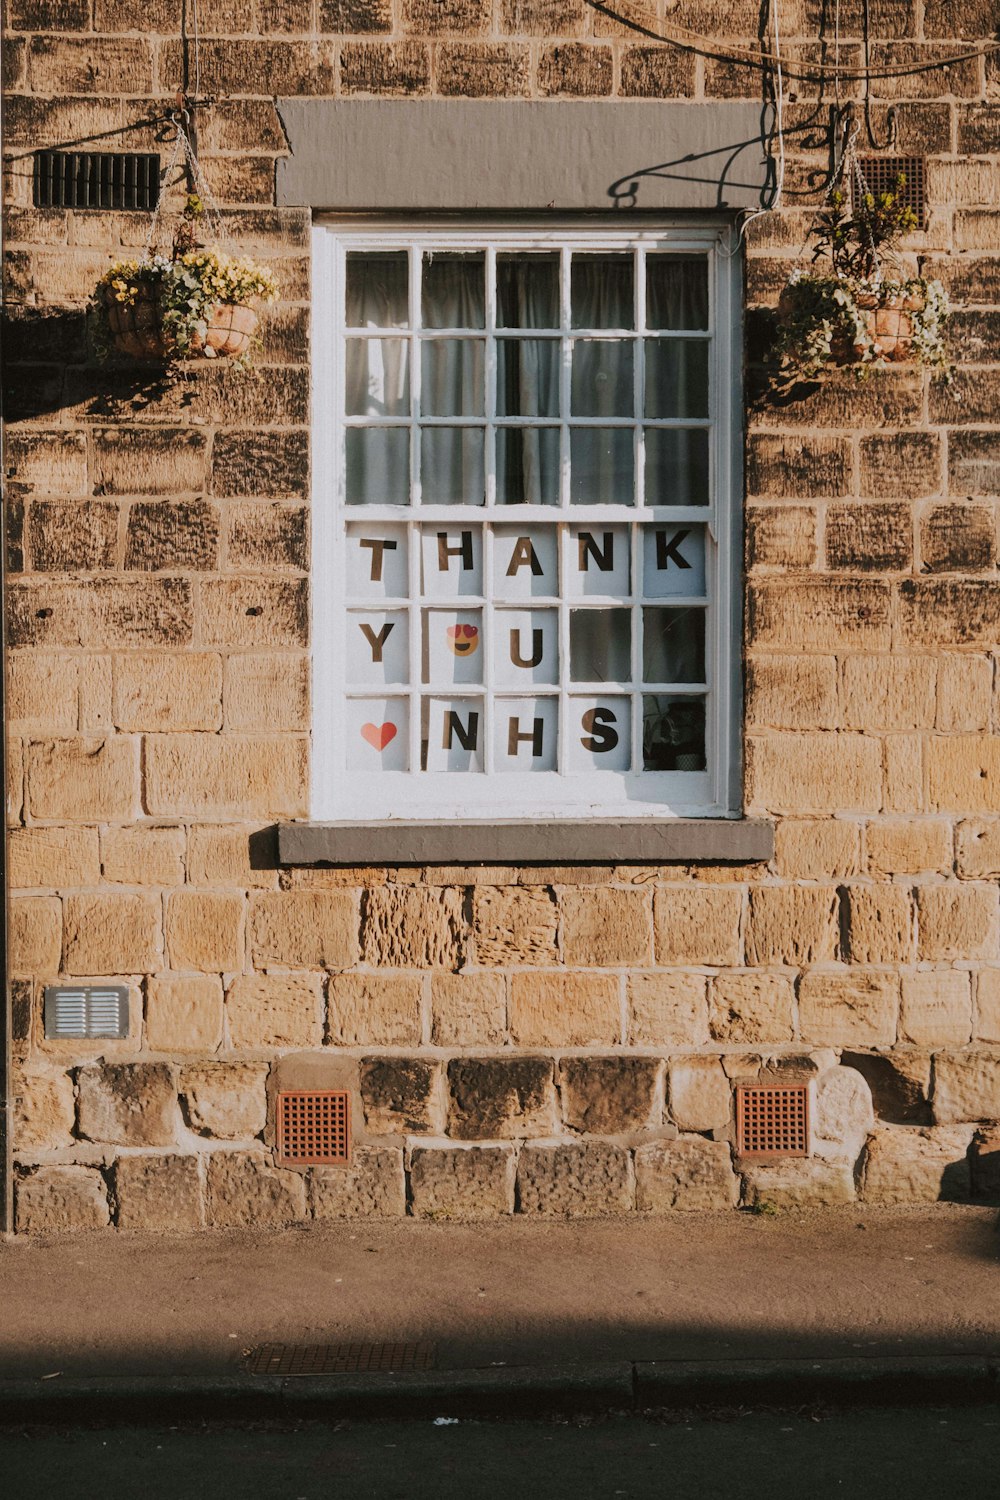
515,156
670,841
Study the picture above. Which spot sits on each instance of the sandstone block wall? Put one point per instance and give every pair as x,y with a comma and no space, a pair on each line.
542,1041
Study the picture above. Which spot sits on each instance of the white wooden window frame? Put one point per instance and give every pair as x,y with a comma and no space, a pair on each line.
409,796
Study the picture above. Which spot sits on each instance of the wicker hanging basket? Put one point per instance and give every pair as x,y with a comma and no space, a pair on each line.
231,329
135,326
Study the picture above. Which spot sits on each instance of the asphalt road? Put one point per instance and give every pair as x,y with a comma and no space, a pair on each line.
741,1456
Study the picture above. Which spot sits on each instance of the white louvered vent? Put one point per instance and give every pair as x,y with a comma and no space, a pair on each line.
86,1011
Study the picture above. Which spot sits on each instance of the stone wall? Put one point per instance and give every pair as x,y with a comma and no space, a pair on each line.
542,1040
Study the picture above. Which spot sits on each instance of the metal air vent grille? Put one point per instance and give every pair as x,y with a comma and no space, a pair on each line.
881,174
314,1127
97,179
773,1121
339,1359
86,1011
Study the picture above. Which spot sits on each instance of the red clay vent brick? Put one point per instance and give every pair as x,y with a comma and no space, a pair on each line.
773,1121
339,1359
881,175
314,1127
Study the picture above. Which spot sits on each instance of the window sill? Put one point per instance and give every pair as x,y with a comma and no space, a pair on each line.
666,841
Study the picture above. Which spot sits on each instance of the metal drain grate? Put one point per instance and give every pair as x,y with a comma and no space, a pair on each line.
314,1127
96,179
773,1121
882,174
340,1359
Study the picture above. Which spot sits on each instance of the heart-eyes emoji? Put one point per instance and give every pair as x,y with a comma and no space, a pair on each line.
463,639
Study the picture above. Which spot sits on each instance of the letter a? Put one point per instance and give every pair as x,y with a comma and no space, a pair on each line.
524,556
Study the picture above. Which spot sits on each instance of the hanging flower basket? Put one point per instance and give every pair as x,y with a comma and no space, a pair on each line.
197,303
855,306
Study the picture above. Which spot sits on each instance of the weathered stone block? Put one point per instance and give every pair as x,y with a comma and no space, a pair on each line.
84,780
158,1194
310,928
900,1084
699,1094
965,691
903,464
817,848
966,1087
689,1174
204,930
988,1005
128,1104
462,1182
95,693
56,1200
148,460
963,773
268,462
657,73
268,691
790,468
698,925
44,1110
667,1010
564,1010
67,537
798,1183
792,925
225,776
610,1095
42,693
226,856
911,1165
275,1010
958,538
112,934
949,612
184,1013
575,69
889,692
514,925
48,461
936,1009
245,1189
957,921
974,457
574,1181
374,1010
143,855
910,846
984,1164
827,615
401,1095
172,534
35,936
403,927
385,68
605,927
792,692
748,1010
843,1115
483,70
462,18
352,16
168,692
372,1185
501,1097
225,1100
814,773
870,537
107,614
853,1009
468,1010
877,924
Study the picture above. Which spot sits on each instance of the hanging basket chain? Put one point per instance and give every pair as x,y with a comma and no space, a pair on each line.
210,210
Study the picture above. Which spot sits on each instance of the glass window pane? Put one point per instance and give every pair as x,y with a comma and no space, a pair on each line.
377,290
673,733
600,645
452,378
528,466
454,290
676,378
452,734
450,649
378,465
377,734
378,648
602,383
528,291
602,291
676,466
601,466
673,645
676,291
528,377
451,466
378,378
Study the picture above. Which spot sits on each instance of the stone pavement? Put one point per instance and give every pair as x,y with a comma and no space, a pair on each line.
602,1312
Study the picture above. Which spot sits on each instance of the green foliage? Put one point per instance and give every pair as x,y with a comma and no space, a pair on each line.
857,243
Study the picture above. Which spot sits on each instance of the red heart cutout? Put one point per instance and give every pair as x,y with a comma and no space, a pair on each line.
378,735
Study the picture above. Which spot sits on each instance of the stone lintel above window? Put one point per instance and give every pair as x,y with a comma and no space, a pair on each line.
661,841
